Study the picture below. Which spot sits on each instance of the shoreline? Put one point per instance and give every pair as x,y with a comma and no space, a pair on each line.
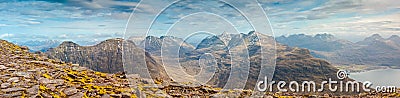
363,68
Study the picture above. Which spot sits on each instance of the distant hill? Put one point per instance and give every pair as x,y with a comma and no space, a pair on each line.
319,42
44,45
373,50
37,45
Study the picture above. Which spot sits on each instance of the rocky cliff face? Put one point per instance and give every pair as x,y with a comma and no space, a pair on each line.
108,57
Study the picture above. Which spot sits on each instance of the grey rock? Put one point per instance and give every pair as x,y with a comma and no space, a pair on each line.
11,95
77,95
46,95
2,67
106,96
13,79
14,89
22,74
5,85
22,84
46,81
33,90
70,91
51,87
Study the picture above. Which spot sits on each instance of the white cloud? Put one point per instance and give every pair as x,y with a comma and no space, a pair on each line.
356,29
6,35
63,36
3,25
79,17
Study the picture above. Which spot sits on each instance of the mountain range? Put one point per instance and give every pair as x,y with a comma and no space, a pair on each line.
373,50
44,45
37,45
25,74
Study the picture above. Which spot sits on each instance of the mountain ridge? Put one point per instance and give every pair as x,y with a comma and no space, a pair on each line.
373,50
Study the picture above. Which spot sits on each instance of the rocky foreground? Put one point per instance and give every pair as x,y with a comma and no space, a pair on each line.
24,74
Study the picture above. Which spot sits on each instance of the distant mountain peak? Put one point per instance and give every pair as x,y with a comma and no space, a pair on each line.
225,33
254,33
251,32
169,37
375,37
114,39
325,36
394,37
298,36
371,39
151,37
68,43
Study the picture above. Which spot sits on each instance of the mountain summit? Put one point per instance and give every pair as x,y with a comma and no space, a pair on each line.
395,38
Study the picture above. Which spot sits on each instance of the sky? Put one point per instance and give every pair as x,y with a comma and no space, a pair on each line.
96,20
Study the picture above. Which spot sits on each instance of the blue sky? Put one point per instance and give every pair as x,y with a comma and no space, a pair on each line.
95,20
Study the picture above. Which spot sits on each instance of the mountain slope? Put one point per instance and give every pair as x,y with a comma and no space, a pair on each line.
292,64
107,57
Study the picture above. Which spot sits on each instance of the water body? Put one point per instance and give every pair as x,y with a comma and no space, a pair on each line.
381,77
